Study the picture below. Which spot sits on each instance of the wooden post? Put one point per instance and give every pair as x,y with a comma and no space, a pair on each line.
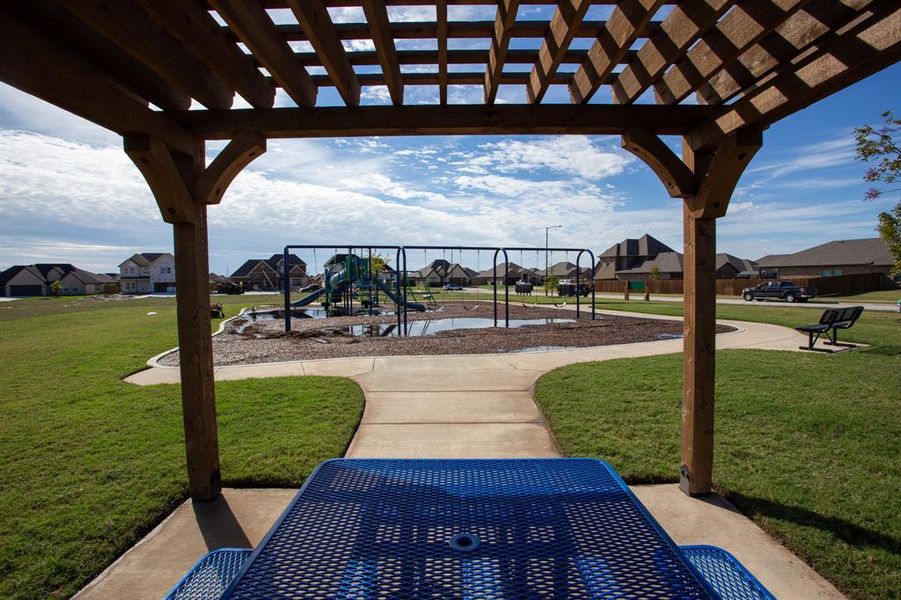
705,182
699,327
183,188
195,347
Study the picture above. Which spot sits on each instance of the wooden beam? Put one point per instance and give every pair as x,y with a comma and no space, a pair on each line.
41,67
380,31
500,41
791,38
455,78
419,30
182,188
678,180
355,3
454,57
450,120
99,52
215,179
679,30
316,22
191,24
699,354
871,43
737,31
170,179
441,35
130,28
563,26
629,19
250,22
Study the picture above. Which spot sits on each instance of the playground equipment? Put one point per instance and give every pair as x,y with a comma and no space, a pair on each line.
349,274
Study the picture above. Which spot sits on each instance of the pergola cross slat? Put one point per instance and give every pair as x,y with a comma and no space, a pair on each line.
136,66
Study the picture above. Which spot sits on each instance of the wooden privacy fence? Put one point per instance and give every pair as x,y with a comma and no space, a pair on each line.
838,285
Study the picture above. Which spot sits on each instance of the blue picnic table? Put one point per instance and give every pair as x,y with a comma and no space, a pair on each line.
512,528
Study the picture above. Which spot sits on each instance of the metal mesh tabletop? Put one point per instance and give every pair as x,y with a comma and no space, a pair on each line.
536,528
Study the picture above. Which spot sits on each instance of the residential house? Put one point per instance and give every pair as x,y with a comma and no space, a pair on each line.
729,266
839,257
148,273
36,280
648,258
665,265
266,274
628,254
565,270
440,272
514,273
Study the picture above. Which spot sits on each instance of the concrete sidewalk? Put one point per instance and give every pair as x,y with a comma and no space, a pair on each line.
469,405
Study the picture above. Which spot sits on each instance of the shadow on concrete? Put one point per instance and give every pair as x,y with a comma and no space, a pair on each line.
219,526
851,533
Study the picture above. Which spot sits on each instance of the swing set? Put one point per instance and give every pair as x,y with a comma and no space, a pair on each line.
341,282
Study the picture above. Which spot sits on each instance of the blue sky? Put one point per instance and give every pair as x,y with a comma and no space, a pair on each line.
69,194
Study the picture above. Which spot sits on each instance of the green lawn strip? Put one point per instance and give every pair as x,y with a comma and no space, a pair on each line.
91,464
873,327
806,444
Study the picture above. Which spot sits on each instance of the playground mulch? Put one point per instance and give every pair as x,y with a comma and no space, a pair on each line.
262,341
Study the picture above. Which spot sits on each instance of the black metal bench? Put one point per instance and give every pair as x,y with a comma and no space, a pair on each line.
831,321
846,320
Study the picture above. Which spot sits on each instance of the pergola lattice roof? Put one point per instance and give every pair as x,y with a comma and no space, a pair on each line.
700,67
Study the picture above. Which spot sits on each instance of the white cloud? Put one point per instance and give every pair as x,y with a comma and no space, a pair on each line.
575,155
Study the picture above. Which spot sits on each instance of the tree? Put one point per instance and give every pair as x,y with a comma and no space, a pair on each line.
550,283
55,287
655,272
882,145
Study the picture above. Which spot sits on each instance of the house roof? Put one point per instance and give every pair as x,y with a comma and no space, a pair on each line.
514,271
42,270
867,251
741,265
666,262
251,264
293,260
9,273
271,263
646,245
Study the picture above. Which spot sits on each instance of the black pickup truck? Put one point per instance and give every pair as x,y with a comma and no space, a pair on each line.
778,290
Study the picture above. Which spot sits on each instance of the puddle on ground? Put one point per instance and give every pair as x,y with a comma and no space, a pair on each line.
431,327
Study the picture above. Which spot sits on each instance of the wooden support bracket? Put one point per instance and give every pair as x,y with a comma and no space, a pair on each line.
677,178
722,172
215,179
167,182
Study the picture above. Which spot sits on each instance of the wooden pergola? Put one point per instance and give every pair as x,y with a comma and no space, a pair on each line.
721,72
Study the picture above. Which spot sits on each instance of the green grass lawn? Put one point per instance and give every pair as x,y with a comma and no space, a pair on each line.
890,296
806,444
91,464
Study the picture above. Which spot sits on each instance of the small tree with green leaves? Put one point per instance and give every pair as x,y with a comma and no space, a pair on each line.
550,283
882,146
55,287
655,272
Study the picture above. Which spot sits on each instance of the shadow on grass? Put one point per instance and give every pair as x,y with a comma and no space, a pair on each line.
850,533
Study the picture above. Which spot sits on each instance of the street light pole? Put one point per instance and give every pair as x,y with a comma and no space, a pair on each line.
546,230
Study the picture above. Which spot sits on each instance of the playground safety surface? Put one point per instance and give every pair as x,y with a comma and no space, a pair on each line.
245,342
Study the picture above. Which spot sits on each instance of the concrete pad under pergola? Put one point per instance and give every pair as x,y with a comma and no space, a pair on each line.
746,64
